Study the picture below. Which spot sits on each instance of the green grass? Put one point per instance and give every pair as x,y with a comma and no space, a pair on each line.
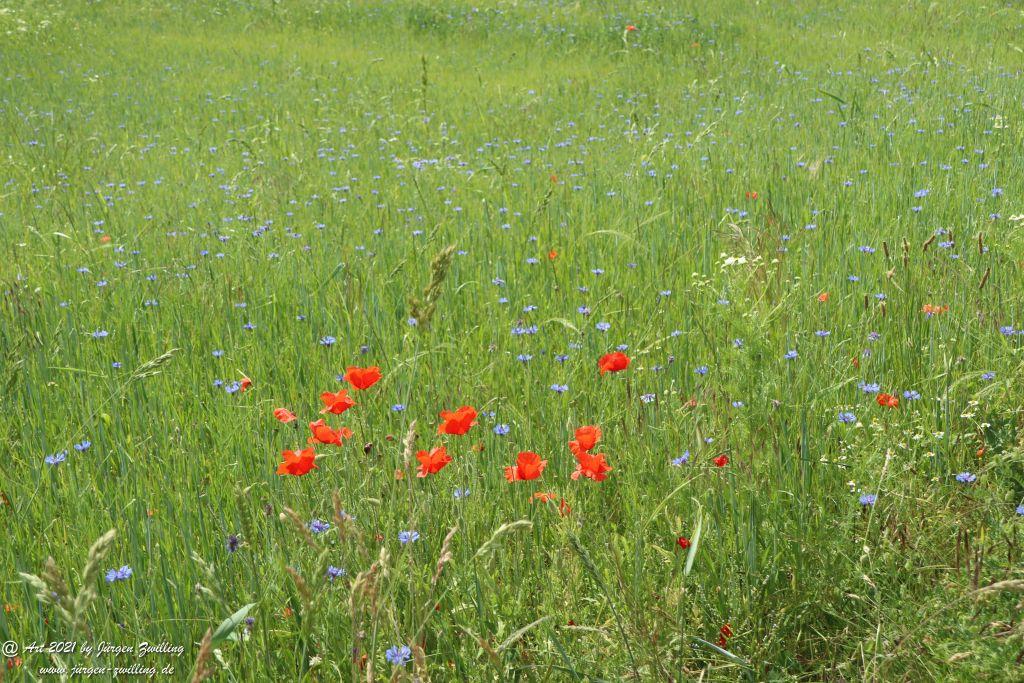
178,129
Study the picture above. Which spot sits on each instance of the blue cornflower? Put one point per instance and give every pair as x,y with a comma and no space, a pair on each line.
334,572
502,429
560,388
603,326
847,417
791,354
647,398
83,445
524,357
217,353
398,407
737,343
868,388
122,574
911,395
408,537
822,333
868,499
318,526
327,340
1020,510
562,357
232,543
233,387
56,458
701,370
966,478
988,376
398,655
460,493
100,334
682,459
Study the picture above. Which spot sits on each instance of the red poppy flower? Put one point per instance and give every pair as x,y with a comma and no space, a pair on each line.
721,461
432,462
528,466
336,404
245,383
362,378
297,463
552,255
325,435
887,401
934,309
613,362
563,507
284,415
683,542
630,28
457,423
592,466
586,438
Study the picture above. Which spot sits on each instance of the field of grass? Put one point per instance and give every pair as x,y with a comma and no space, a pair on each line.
801,222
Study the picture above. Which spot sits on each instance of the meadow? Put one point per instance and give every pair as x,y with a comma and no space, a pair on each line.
535,340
